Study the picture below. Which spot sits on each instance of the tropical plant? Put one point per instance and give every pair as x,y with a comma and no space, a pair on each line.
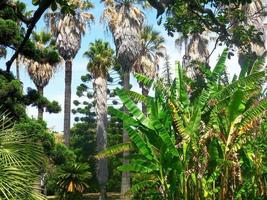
148,61
201,148
72,181
39,72
20,160
125,23
68,30
101,58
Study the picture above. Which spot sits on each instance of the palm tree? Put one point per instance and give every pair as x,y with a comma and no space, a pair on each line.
68,30
39,72
152,50
21,158
125,23
196,49
254,17
101,58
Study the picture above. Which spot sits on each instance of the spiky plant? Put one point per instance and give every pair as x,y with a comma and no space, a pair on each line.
20,160
72,181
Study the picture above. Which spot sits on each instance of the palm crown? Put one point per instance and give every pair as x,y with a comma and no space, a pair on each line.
100,57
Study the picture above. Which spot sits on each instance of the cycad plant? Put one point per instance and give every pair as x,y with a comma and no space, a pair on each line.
72,181
201,148
20,159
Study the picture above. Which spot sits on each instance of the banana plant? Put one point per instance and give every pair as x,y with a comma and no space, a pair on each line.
194,148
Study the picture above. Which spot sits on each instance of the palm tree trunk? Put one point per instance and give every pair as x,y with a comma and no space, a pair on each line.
125,178
67,101
100,88
17,69
40,107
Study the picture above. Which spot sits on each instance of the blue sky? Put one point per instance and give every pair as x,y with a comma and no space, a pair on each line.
55,88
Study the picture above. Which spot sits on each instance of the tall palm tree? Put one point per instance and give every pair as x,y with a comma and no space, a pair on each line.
148,61
39,72
101,58
68,30
125,23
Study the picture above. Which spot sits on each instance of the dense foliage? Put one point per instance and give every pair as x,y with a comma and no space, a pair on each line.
197,149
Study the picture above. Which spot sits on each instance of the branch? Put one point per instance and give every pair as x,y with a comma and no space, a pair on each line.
215,46
37,15
17,12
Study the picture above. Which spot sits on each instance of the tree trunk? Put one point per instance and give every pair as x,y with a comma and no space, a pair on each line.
100,89
40,107
17,69
67,101
125,178
145,92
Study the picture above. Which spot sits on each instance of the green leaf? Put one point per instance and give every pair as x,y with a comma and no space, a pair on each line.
130,105
144,80
138,166
35,2
115,150
180,86
123,116
235,105
140,143
220,67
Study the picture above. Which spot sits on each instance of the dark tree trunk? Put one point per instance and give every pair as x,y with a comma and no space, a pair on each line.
40,107
67,101
100,89
145,92
125,178
17,69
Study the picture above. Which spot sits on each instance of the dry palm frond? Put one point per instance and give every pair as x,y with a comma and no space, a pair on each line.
40,73
125,22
